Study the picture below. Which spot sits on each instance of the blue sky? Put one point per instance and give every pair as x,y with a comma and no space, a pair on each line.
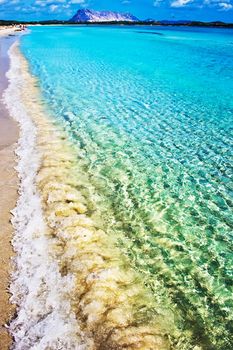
204,10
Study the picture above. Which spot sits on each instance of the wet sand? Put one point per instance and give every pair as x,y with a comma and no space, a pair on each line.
8,194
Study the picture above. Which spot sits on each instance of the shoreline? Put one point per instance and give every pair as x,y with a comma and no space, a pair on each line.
81,277
81,268
39,218
9,133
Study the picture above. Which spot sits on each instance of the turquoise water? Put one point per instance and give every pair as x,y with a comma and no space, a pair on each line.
150,112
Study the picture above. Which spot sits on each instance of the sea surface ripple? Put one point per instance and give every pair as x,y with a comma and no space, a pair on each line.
150,119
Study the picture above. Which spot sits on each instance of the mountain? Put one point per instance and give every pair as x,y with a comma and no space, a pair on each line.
86,15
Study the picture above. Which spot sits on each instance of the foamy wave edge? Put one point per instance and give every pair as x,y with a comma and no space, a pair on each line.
44,316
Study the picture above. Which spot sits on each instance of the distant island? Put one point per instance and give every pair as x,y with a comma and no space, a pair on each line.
91,17
86,15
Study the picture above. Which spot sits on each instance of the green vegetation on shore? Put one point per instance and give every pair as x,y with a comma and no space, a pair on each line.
216,24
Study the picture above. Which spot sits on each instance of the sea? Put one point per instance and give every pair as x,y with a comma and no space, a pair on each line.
149,113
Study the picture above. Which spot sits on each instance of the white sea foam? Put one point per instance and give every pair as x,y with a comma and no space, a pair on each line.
44,317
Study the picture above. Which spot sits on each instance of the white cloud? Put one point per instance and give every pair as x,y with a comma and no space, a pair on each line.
157,3
225,6
221,5
57,5
126,2
180,3
44,3
77,1
53,8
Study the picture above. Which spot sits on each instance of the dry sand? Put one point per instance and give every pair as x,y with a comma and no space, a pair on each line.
5,31
8,196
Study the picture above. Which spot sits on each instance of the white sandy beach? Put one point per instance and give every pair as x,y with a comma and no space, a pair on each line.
8,196
6,31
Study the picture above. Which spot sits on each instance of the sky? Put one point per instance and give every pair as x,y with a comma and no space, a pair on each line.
203,10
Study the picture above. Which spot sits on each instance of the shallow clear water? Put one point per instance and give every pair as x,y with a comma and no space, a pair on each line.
150,111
